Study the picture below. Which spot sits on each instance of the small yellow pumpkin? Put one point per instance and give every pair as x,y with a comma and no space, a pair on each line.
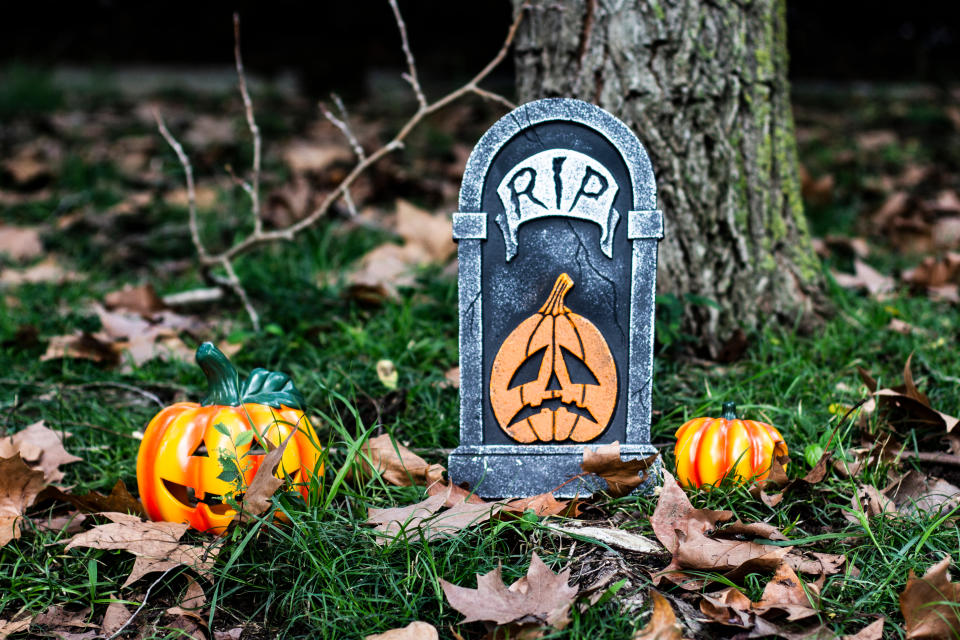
708,449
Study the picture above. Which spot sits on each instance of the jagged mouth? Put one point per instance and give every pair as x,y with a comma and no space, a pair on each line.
188,496
552,404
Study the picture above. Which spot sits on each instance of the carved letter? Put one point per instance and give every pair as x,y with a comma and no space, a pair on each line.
590,173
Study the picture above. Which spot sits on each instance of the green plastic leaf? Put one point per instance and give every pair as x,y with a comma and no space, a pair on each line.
243,439
812,454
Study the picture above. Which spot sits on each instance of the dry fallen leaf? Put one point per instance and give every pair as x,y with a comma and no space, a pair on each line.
683,531
865,277
906,407
119,499
539,598
428,239
397,521
142,299
930,604
311,157
48,270
19,487
433,232
425,521
42,448
663,623
256,499
156,545
9,627
398,465
413,631
915,492
115,617
873,631
622,476
543,504
20,243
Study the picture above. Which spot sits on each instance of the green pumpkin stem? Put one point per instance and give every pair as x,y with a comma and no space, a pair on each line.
223,381
729,411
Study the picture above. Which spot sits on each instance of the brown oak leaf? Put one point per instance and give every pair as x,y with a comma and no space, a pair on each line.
663,623
622,476
120,499
398,465
256,499
42,448
539,598
156,545
683,531
19,487
930,604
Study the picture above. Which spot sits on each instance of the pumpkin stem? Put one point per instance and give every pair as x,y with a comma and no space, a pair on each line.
554,305
729,411
223,381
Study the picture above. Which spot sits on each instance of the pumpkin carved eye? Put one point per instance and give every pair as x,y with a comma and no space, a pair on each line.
529,370
554,377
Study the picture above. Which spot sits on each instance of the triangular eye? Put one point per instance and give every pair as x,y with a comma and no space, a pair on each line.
577,368
529,369
201,450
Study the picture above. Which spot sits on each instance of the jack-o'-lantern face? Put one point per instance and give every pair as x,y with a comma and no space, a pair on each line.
554,377
181,462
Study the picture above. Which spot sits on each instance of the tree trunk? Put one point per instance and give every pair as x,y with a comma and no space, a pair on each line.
704,86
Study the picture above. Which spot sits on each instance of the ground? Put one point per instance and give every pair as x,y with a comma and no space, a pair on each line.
105,194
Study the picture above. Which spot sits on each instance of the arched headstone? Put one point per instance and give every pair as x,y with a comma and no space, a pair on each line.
557,230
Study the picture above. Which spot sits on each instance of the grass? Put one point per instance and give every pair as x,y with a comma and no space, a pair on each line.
324,577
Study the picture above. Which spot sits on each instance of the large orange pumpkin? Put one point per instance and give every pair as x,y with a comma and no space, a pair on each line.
572,387
179,464
708,449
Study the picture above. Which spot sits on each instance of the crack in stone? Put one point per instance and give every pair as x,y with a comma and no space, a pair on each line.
470,311
615,304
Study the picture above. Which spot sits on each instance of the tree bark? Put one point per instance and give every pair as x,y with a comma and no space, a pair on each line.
704,86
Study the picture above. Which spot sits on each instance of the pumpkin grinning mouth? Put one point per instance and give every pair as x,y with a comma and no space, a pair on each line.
552,404
188,495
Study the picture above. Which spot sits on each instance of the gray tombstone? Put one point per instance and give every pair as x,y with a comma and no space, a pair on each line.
557,230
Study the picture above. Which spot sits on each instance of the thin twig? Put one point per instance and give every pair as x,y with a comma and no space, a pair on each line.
234,282
411,74
343,123
126,387
253,190
191,188
288,233
932,456
259,236
146,597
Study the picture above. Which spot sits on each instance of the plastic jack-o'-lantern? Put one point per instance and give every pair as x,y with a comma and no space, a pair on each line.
708,449
554,377
181,457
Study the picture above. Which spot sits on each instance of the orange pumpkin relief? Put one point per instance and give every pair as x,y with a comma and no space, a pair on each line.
554,377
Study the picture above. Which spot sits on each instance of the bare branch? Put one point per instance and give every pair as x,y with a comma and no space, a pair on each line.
234,283
493,97
191,188
343,124
342,190
253,190
411,75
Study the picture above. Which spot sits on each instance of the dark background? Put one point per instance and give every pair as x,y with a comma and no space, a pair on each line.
332,44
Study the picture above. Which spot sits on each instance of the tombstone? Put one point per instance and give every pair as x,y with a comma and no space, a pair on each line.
557,231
